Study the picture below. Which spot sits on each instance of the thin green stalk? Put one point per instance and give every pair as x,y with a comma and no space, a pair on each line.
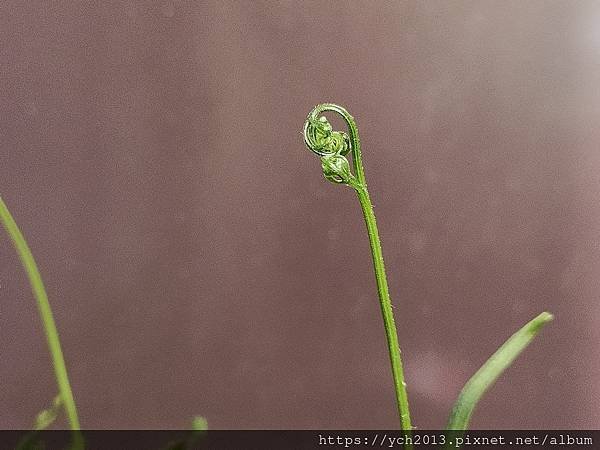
37,286
333,146
386,309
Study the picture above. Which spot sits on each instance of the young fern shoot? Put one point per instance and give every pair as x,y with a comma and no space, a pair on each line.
332,147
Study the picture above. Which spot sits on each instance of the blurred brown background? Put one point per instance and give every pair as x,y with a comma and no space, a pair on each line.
198,263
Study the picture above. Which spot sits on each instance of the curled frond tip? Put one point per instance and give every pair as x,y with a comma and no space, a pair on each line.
332,146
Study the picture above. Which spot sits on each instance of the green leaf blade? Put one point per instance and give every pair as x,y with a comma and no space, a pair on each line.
39,292
487,375
199,423
47,417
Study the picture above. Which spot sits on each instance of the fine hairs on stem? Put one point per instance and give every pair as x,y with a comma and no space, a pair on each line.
333,147
37,286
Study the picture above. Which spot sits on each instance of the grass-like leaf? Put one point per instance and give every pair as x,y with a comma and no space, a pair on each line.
47,417
199,427
43,420
199,423
485,377
39,292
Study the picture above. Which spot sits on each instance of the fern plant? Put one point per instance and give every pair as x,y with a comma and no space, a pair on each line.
333,147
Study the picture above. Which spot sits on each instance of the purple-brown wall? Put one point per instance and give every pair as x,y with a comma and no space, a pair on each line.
198,263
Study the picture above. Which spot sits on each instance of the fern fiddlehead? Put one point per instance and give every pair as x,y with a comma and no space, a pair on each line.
332,147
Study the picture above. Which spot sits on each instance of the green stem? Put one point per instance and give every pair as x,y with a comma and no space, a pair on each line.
386,308
332,146
45,311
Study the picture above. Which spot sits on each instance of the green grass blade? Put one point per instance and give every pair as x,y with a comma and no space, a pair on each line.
47,417
199,423
45,311
485,377
199,428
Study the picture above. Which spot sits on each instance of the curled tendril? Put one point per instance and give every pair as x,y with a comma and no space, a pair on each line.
333,146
